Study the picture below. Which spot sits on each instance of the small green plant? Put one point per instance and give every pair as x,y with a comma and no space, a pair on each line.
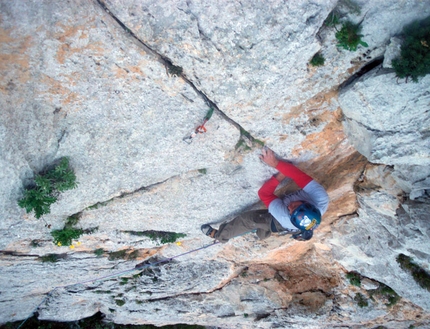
332,19
421,276
72,220
386,292
348,37
361,300
99,252
120,254
203,171
354,278
50,258
97,205
317,60
159,236
242,144
246,141
47,187
65,236
68,233
119,302
414,60
134,254
175,70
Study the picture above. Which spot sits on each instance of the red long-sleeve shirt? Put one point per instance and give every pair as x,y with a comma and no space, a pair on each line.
266,192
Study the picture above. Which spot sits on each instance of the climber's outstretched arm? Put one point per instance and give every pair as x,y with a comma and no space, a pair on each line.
266,192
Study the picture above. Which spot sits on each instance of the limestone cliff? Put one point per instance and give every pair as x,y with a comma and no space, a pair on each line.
117,85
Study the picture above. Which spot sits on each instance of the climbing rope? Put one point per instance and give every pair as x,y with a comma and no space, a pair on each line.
136,268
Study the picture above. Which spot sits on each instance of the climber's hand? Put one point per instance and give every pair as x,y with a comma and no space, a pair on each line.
268,157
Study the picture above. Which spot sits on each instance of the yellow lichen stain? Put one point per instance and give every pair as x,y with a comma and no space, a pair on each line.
14,62
119,72
325,141
133,71
354,69
56,87
315,102
4,36
72,33
294,253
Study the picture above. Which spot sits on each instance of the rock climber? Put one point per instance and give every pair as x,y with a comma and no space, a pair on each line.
298,213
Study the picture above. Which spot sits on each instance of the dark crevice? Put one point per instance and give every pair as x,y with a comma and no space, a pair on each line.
17,254
365,69
122,195
168,64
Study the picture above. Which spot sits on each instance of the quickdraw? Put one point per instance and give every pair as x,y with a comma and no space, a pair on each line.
200,129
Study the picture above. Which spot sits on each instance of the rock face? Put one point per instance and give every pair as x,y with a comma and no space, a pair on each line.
118,85
395,135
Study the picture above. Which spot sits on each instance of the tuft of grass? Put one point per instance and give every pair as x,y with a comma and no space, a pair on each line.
386,292
134,254
68,233
354,278
332,19
317,60
50,258
175,70
99,252
203,171
348,37
97,205
159,236
361,300
120,254
421,276
72,220
246,142
119,302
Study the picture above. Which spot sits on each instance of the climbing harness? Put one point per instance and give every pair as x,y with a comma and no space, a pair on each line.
136,268
200,129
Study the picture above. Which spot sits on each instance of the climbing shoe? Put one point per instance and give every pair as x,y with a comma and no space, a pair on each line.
208,230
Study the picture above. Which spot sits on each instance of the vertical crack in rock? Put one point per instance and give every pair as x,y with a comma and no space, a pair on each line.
168,64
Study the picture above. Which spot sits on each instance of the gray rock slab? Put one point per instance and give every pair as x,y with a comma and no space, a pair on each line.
370,243
387,121
76,83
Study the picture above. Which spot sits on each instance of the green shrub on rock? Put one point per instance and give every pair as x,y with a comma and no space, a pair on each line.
348,37
317,60
414,60
47,187
65,236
